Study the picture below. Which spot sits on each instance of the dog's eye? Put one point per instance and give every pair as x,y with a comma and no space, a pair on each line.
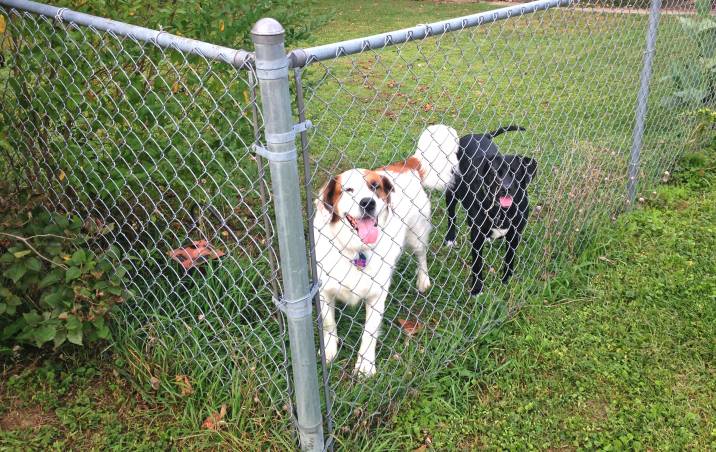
374,186
349,190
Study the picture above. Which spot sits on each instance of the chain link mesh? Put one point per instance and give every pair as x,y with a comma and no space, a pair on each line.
151,147
570,76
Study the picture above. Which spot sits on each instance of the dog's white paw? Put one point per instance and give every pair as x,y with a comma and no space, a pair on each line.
364,368
423,283
450,243
330,347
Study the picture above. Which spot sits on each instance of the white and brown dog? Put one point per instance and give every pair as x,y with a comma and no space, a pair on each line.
364,219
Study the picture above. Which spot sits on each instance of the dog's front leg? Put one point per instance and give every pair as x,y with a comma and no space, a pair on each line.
513,238
451,201
330,330
477,239
374,308
513,241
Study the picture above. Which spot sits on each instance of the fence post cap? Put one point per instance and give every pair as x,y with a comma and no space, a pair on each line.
267,27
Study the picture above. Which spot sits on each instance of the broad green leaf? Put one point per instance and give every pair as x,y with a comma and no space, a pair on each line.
72,273
115,291
75,336
50,279
60,337
34,264
44,333
3,308
12,329
103,332
15,272
32,318
78,258
73,323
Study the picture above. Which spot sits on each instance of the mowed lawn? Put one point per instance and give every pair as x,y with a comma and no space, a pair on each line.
569,77
611,350
619,353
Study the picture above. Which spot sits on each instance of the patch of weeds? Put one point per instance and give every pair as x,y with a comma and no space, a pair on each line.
80,401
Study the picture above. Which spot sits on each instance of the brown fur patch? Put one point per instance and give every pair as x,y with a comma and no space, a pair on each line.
330,196
410,164
382,184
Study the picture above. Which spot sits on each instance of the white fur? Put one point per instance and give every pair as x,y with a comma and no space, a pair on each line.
437,151
404,222
497,233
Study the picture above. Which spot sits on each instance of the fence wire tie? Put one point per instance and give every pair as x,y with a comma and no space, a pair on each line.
282,138
60,14
301,306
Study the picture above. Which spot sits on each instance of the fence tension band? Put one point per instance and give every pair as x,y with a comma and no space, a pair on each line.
274,156
281,138
298,307
290,136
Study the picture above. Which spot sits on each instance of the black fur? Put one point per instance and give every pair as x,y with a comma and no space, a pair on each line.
484,176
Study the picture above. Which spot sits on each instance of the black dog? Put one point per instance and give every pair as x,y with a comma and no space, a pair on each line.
493,189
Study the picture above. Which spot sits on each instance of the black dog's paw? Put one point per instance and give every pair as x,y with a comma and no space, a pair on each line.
476,288
506,277
450,239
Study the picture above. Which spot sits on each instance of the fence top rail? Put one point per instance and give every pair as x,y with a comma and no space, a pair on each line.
303,57
237,58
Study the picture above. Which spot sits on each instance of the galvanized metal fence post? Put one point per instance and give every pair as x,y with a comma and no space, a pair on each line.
642,102
280,135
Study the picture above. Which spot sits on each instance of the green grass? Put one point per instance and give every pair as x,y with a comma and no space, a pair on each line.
79,402
617,353
571,78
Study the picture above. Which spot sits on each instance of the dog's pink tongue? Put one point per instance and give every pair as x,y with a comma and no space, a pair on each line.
367,231
505,201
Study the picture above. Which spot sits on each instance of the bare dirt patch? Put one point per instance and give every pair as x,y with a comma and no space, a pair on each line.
26,418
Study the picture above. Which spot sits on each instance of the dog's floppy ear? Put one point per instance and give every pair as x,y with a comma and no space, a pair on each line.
387,188
387,185
530,167
329,195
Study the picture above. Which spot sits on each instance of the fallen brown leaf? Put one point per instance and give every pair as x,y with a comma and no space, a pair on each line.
410,327
154,381
184,384
191,256
214,421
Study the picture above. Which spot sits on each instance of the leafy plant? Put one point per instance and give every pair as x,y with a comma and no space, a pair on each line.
53,288
110,125
228,23
695,81
703,132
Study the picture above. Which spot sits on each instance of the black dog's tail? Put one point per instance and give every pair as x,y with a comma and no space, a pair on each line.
502,130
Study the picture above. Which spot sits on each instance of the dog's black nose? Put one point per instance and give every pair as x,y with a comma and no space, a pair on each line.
367,204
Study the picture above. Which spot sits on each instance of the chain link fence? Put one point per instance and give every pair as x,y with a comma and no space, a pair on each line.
571,77
147,138
151,139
